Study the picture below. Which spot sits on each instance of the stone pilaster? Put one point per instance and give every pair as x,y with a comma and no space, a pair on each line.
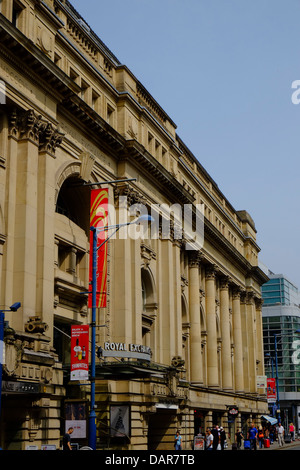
195,319
211,327
238,340
225,332
251,317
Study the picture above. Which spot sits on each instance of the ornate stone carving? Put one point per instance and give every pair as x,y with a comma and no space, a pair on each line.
29,125
87,164
211,272
49,138
195,258
132,196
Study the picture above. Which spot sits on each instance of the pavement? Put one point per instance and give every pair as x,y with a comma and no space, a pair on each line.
274,446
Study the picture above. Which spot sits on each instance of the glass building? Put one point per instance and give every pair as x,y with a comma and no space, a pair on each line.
281,330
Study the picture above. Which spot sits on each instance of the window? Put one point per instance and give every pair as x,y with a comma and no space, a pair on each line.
16,13
110,113
95,101
74,75
84,90
149,307
74,201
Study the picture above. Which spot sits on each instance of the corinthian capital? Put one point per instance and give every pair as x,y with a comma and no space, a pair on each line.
32,126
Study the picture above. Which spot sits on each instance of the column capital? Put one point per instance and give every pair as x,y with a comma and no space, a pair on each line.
211,271
31,126
258,303
194,258
225,281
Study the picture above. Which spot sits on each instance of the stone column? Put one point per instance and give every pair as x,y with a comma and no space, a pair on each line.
225,332
252,341
9,227
25,253
211,327
49,139
195,330
259,335
245,341
237,338
123,276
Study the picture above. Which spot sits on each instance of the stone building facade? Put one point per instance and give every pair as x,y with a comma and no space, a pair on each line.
72,115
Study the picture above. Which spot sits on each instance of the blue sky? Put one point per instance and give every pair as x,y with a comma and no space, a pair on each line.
223,71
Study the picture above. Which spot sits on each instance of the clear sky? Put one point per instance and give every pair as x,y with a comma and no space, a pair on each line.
223,71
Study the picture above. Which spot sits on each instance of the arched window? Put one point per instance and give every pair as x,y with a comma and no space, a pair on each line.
149,307
74,202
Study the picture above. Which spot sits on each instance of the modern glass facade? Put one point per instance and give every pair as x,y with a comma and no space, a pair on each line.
288,353
280,291
281,325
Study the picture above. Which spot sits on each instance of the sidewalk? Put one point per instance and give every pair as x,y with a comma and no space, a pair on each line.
274,446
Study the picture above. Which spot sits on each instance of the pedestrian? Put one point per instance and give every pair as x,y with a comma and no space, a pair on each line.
252,436
209,440
272,434
215,433
239,436
292,431
67,439
261,437
222,438
178,440
280,433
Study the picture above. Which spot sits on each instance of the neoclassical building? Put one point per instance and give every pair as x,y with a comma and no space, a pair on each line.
72,117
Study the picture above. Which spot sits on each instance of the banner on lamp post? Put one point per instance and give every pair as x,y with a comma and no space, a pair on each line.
99,219
271,390
79,352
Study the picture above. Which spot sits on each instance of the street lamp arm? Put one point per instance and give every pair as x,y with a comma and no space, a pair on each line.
141,219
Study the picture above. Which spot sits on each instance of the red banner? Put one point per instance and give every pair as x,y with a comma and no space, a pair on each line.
98,219
271,390
79,352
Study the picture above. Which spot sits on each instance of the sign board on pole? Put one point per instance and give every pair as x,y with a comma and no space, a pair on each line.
271,390
79,352
99,219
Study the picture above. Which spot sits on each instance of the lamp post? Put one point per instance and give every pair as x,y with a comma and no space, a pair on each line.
92,416
13,308
271,358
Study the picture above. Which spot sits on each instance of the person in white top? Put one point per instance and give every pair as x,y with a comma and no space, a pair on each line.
209,440
280,432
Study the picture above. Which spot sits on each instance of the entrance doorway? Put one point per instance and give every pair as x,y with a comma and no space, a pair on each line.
161,430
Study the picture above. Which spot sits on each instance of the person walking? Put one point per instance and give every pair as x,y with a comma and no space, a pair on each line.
239,436
261,437
215,433
209,440
280,433
252,436
178,440
222,438
292,431
67,439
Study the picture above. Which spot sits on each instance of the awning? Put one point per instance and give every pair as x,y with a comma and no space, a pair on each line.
270,419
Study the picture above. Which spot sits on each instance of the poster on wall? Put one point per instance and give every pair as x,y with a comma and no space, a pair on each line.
79,352
76,417
119,421
99,219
